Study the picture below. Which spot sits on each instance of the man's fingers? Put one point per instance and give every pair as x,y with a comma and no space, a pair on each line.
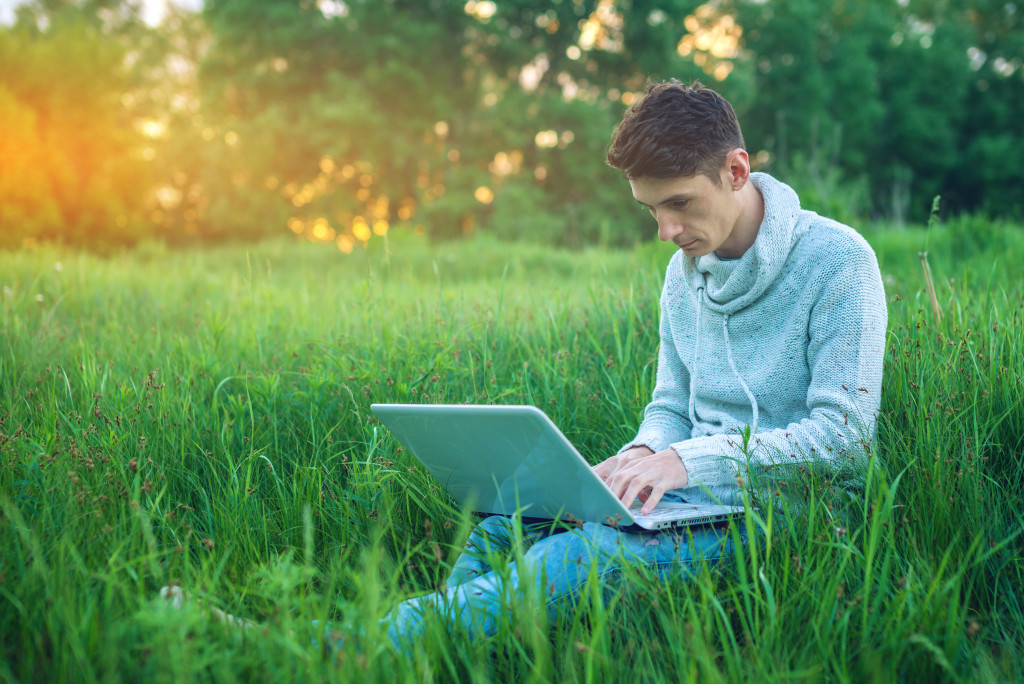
606,467
652,499
636,485
614,464
623,479
628,482
619,480
617,483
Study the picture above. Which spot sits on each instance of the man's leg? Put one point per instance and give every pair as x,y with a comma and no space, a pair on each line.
603,551
557,566
492,537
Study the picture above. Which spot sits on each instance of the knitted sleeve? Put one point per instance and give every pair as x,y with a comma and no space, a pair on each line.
666,418
845,350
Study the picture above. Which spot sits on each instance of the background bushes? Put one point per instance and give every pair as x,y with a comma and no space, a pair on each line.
340,121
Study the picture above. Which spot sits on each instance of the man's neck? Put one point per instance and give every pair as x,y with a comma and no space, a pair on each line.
747,224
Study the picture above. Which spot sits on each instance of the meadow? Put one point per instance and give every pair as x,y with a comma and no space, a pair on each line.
201,418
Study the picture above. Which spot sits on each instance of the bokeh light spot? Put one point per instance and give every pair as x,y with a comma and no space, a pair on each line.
484,195
360,229
481,9
546,139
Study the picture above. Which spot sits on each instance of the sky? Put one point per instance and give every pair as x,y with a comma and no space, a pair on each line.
152,10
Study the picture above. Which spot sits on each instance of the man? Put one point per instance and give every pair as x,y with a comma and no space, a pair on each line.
772,317
772,329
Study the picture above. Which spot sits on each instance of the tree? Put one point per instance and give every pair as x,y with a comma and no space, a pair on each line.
451,115
72,169
890,91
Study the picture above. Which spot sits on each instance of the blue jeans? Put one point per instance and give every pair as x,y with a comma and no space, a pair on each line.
557,564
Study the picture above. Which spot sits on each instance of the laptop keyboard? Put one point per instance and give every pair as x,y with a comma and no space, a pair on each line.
675,515
661,513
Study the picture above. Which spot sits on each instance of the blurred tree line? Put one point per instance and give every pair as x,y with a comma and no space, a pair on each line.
340,120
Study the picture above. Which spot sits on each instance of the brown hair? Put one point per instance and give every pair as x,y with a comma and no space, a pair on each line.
675,130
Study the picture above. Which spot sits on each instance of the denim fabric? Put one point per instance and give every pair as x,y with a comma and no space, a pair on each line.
556,563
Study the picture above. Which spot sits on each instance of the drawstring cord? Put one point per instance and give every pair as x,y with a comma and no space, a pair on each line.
732,364
696,349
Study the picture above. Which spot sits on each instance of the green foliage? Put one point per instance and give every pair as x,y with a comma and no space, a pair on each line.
70,170
352,89
341,120
821,188
202,417
896,87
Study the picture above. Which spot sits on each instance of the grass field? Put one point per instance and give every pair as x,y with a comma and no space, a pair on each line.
202,418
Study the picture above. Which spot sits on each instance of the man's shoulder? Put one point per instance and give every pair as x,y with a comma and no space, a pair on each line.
674,272
674,285
826,240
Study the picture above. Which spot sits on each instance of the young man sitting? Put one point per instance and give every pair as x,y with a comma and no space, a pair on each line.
773,323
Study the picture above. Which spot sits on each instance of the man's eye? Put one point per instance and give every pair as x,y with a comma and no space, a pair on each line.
679,204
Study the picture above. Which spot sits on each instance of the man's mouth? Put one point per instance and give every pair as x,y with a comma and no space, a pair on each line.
688,244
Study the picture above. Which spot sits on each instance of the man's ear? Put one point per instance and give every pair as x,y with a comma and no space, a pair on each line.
737,164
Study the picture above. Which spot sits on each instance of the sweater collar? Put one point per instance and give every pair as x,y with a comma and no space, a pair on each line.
730,286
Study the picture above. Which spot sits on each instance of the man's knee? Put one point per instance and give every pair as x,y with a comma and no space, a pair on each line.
492,532
571,552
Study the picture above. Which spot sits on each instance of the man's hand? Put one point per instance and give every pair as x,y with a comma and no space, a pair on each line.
642,473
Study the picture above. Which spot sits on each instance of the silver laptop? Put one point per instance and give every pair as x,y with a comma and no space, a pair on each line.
504,459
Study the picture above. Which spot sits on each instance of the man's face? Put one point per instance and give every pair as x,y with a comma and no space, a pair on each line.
692,212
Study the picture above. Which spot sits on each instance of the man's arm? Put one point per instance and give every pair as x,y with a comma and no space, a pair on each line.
648,467
845,351
667,416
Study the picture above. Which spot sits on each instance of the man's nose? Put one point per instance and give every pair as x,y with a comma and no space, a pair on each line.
668,228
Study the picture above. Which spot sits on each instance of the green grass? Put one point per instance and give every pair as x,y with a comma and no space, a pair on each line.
203,418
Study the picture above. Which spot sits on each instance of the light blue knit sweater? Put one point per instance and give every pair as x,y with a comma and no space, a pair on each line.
788,339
